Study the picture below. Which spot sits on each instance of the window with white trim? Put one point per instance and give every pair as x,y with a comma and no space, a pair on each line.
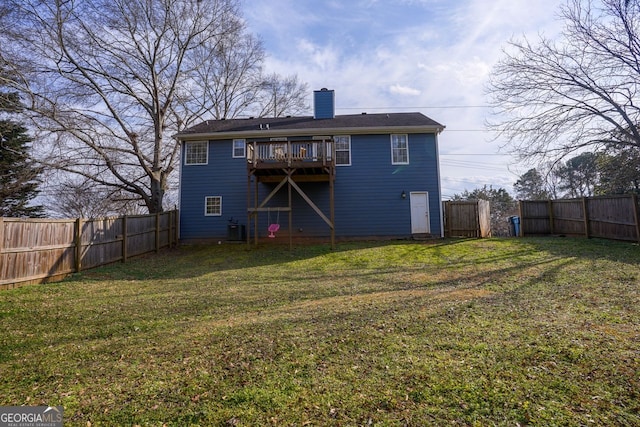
343,150
239,148
399,150
213,206
196,152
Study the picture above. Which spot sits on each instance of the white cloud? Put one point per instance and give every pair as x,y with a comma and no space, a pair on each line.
404,90
404,54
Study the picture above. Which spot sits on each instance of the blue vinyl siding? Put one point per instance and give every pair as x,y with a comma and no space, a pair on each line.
368,201
224,176
367,194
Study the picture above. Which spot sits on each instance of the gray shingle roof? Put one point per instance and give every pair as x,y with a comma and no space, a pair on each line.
362,122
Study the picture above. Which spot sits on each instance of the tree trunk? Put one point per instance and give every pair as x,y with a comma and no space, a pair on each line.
157,195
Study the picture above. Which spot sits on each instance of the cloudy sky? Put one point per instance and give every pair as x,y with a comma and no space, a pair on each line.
431,56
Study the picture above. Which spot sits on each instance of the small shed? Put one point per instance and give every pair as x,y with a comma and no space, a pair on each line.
467,218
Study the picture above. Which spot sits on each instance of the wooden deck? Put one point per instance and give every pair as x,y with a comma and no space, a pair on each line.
287,163
311,160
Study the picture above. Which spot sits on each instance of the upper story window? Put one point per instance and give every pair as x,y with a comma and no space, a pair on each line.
239,148
196,152
399,150
343,150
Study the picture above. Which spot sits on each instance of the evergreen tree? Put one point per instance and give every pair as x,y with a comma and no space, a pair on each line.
18,174
579,175
619,172
531,186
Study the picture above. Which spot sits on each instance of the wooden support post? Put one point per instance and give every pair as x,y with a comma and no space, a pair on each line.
124,238
157,232
249,204
585,209
78,244
290,216
255,215
636,216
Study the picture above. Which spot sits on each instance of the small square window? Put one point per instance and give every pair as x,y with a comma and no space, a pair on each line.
399,150
196,153
239,148
213,206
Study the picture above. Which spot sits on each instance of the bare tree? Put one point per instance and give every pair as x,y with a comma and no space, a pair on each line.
78,197
225,77
553,98
107,82
282,95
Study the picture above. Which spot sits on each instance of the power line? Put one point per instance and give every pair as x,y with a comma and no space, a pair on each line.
424,107
475,154
469,130
472,165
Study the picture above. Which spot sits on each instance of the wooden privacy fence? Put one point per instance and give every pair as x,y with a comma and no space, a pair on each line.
608,217
39,250
467,218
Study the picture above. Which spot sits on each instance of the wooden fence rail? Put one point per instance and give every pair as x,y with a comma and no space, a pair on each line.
608,217
40,250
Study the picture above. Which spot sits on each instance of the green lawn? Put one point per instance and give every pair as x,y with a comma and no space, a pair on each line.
454,332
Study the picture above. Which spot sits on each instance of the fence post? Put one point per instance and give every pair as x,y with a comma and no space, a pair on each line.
157,232
176,228
1,234
124,238
585,209
78,241
170,230
636,215
447,223
550,209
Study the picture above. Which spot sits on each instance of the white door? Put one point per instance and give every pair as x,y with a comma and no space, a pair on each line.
420,223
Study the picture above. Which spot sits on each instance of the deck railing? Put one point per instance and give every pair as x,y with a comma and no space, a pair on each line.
290,151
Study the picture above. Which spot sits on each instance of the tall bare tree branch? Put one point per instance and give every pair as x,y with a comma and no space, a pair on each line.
554,98
107,82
